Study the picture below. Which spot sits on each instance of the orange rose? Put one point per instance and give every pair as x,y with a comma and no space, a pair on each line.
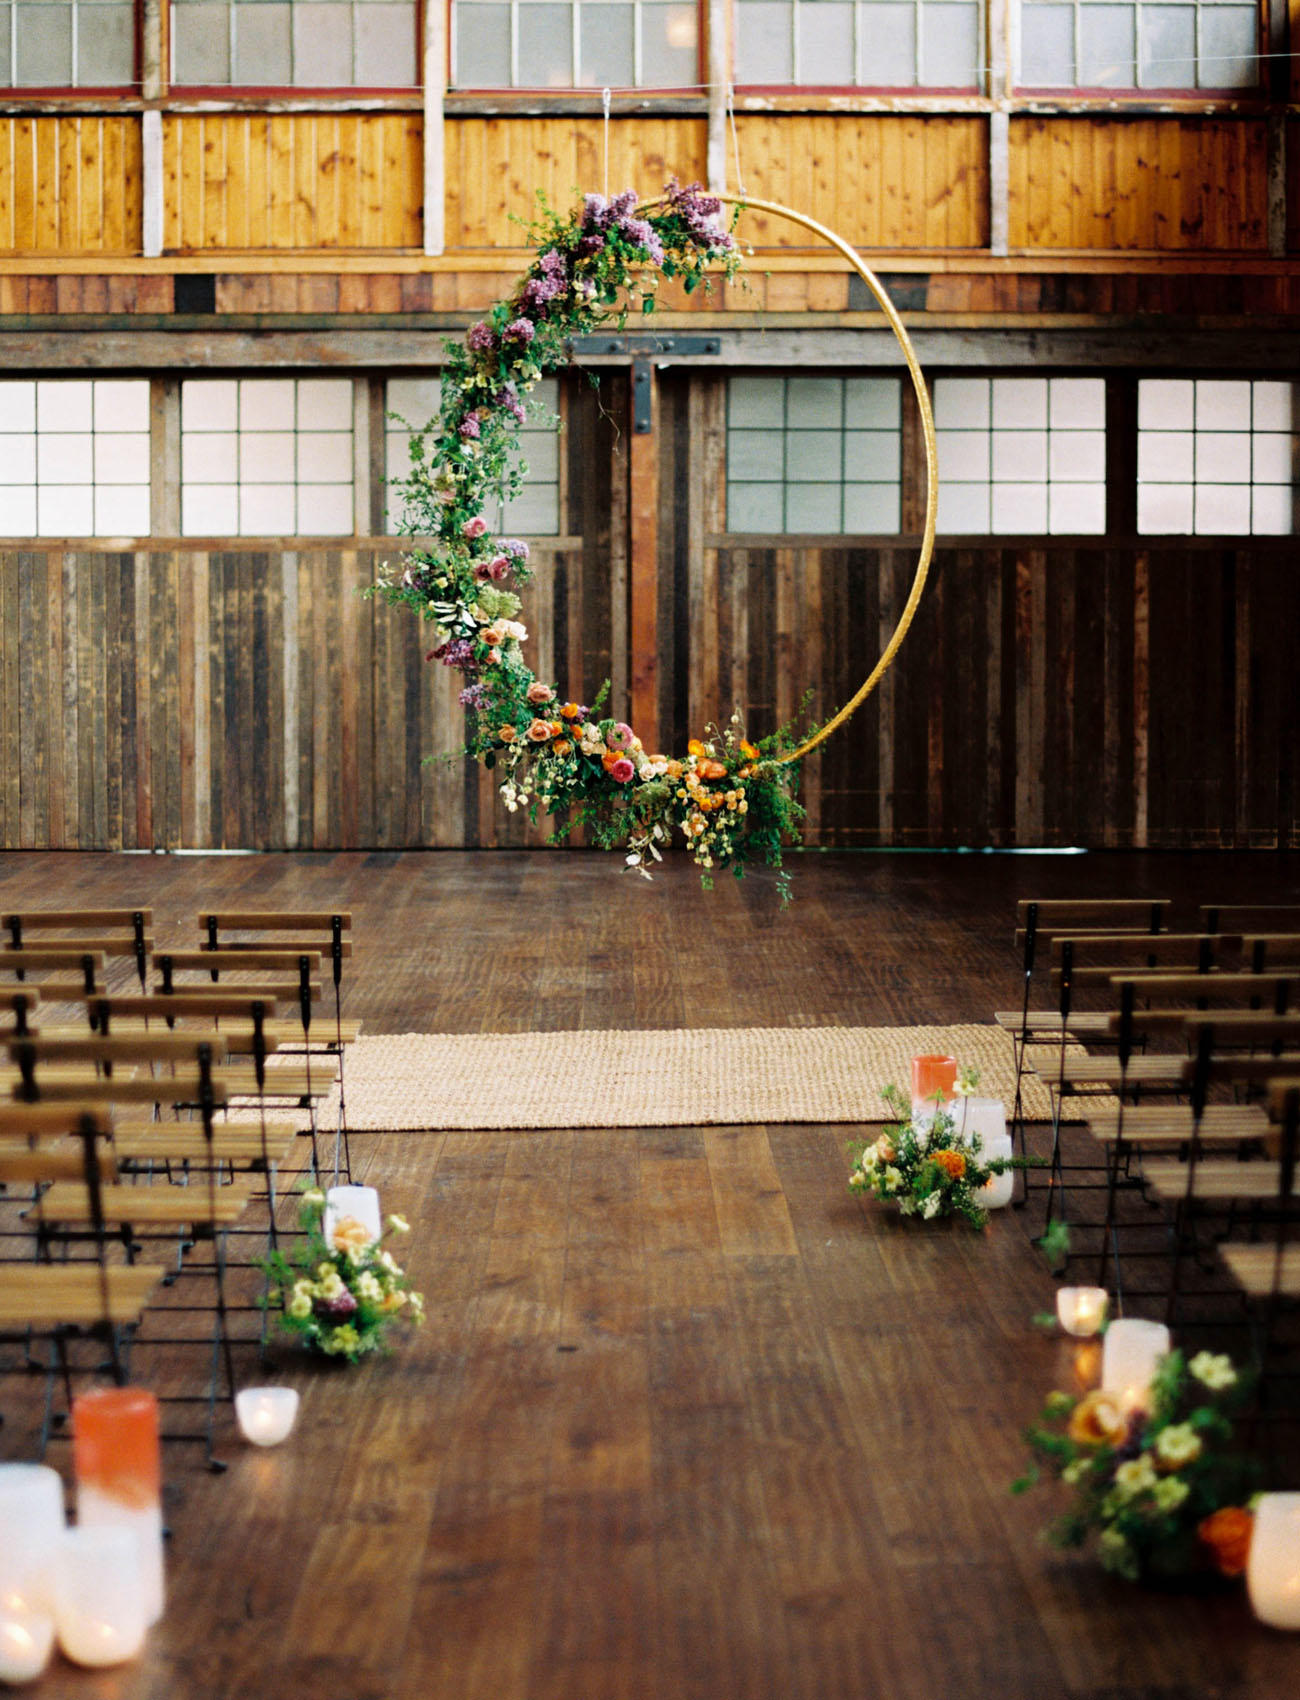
695,748
1098,1420
507,734
745,772
539,732
563,746
674,770
1227,1534
492,636
711,769
610,758
572,711
952,1163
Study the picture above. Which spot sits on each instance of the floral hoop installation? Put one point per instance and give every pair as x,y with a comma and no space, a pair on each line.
732,800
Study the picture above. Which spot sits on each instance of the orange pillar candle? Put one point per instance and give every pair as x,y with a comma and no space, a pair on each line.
118,1464
932,1076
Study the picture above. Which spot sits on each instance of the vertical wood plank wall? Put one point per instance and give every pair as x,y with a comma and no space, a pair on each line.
70,185
1069,693
239,180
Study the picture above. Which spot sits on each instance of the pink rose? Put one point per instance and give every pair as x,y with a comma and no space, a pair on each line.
621,771
474,527
499,567
620,737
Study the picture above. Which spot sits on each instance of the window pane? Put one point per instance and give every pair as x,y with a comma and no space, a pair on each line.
1106,47
266,404
1272,457
122,458
6,66
813,507
105,46
482,46
385,47
963,456
887,47
262,46
17,457
1272,406
18,404
1222,404
872,403
1077,403
950,51
1272,510
1019,508
65,511
266,457
267,510
1019,403
121,404
764,44
1222,508
873,456
1165,404
1076,509
209,510
755,455
1168,47
815,401
545,46
325,511
64,404
1047,47
1077,457
44,46
122,511
1166,456
872,508
606,45
1223,457
756,401
813,455
825,42
322,44
1020,456
324,457
17,511
534,512
1229,45
751,507
209,404
1165,508
325,404
961,403
669,46
209,457
200,44
964,508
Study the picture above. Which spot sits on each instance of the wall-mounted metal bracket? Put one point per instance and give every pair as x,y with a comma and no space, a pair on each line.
642,397
644,347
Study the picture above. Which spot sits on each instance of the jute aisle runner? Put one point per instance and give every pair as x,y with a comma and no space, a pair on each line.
673,1078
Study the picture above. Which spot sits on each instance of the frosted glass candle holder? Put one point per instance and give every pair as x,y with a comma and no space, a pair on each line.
1273,1569
986,1117
31,1517
1081,1310
932,1076
99,1596
266,1414
1132,1350
345,1204
118,1462
996,1192
26,1637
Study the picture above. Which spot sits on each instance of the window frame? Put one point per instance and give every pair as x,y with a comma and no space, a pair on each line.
11,91
1129,92
563,90
972,91
234,93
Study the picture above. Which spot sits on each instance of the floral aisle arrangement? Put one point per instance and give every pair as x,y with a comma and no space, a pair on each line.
341,1296
730,800
1161,1491
921,1165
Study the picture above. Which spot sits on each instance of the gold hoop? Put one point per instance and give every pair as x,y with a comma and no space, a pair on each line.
931,454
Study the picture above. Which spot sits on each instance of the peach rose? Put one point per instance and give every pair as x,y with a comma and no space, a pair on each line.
539,732
710,769
507,734
563,746
1098,1420
350,1234
674,770
492,636
539,693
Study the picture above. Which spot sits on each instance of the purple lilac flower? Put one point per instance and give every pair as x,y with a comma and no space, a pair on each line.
595,212
539,290
553,263
456,652
642,235
473,696
515,547
592,243
469,426
482,338
518,330
698,213
622,205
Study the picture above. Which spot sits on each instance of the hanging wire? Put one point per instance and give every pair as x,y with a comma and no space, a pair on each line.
735,139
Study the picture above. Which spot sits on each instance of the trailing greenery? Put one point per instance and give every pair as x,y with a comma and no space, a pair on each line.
730,800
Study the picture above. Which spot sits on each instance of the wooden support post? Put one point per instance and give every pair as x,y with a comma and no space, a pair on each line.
718,62
1276,184
643,573
435,87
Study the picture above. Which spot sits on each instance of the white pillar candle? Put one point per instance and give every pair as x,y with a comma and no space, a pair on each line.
360,1203
1132,1350
100,1596
1081,1310
26,1637
266,1414
31,1516
99,1510
986,1117
1273,1569
996,1192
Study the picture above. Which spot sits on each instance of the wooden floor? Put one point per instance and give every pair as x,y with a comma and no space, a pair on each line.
688,1419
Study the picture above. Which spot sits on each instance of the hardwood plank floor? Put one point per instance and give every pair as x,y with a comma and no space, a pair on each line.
688,1420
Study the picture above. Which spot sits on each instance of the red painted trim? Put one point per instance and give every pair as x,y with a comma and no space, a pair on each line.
268,91
1126,94
799,89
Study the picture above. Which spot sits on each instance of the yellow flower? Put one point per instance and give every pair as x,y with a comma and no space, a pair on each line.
1098,1420
1177,1445
399,1225
1135,1476
299,1305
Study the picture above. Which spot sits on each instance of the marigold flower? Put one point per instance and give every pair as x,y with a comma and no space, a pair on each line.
1098,1420
952,1163
539,732
1227,1533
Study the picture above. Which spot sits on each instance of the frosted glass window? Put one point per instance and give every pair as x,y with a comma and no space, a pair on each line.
1216,456
267,457
575,44
1021,455
870,43
74,457
1150,44
814,454
323,44
535,511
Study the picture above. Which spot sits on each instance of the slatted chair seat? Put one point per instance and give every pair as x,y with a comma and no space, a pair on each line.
38,1295
69,1203
234,1143
1103,1074
1217,1181
1083,1023
1173,1124
1254,1268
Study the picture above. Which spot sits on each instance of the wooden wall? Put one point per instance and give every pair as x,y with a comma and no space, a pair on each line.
294,180
1142,183
70,185
1069,694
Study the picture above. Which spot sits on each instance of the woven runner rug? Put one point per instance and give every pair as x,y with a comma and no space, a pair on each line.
652,1078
